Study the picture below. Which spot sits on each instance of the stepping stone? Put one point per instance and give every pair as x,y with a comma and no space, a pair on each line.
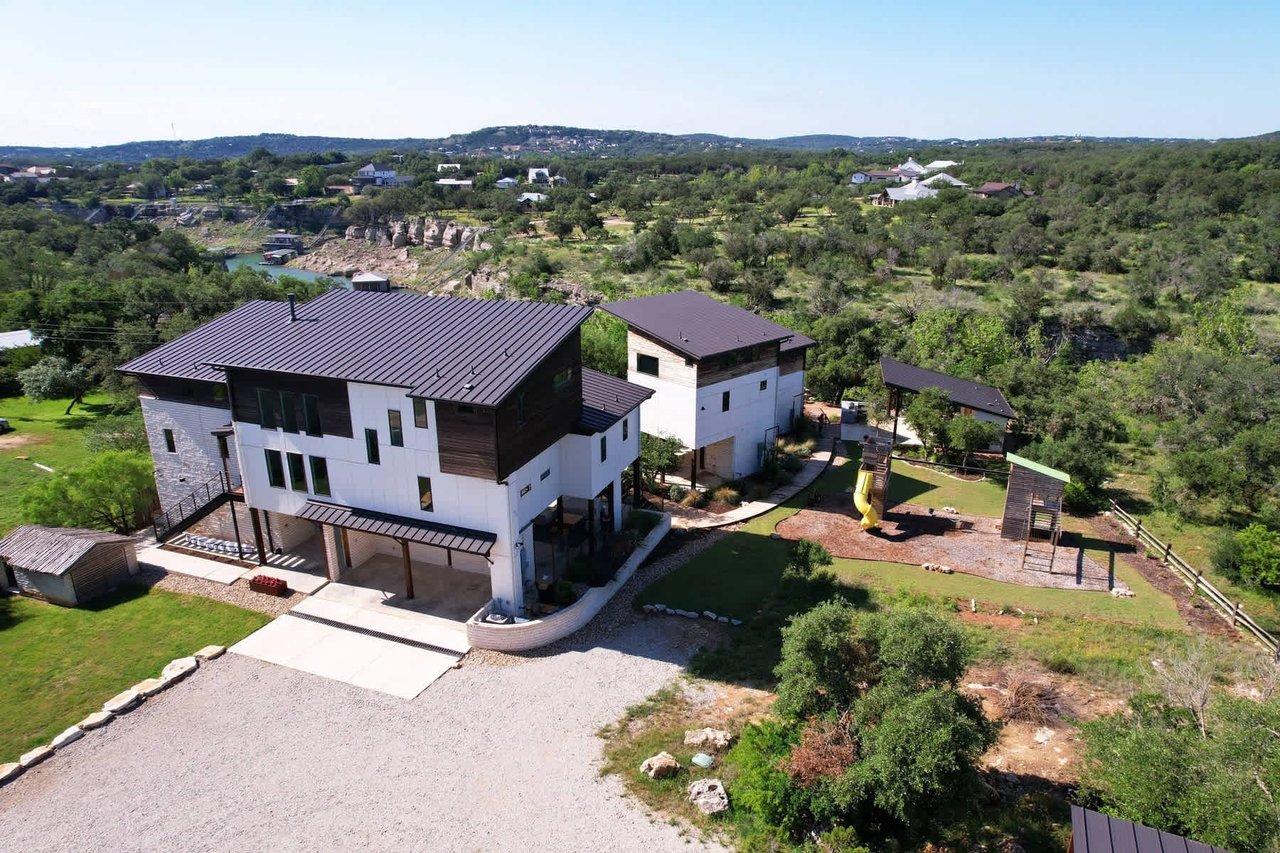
210,652
9,771
96,720
150,686
70,736
122,702
35,756
179,669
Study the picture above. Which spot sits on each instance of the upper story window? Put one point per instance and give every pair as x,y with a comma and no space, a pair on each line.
604,447
297,472
562,378
289,411
420,413
764,384
724,402
371,447
397,429
426,502
320,475
626,422
311,413
220,393
169,443
268,408
275,469
647,364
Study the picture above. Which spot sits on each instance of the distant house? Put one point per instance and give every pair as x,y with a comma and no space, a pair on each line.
447,167
380,175
910,169
531,198
18,339
506,183
278,242
913,191
559,181
999,190
458,183
66,565
371,282
939,165
943,178
872,176
540,176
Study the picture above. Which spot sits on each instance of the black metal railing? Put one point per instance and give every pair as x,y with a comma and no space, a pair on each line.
194,506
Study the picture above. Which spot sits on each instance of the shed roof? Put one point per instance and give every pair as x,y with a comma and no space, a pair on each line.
362,277
400,527
1053,473
696,325
52,550
607,399
1095,832
472,351
962,392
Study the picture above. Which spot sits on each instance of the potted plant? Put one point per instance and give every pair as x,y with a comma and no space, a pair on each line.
268,585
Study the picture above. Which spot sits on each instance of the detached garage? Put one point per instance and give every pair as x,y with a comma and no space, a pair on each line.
66,565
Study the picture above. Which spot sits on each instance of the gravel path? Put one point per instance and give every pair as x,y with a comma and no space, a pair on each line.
498,755
237,593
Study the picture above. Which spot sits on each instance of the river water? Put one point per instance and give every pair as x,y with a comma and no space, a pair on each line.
274,271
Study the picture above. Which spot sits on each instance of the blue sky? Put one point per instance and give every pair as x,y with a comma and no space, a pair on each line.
78,73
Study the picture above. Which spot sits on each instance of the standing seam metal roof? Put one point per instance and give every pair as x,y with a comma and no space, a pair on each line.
439,347
697,325
1095,832
962,392
607,399
401,527
53,550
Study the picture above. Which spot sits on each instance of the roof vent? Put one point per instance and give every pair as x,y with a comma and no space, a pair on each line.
467,386
293,308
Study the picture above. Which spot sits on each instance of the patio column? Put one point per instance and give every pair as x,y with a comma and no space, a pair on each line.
635,482
693,472
408,568
615,503
591,526
257,536
235,527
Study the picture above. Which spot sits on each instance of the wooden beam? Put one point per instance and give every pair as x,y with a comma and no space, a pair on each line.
693,473
408,568
235,527
257,536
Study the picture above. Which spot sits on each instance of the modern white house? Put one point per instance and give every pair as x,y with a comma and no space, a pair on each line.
724,381
540,175
381,175
506,183
396,433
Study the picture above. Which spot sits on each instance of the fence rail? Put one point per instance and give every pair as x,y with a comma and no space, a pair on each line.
216,489
1232,611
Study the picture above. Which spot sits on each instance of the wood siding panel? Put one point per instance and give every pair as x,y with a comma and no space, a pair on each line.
732,365
335,406
1023,483
192,391
548,413
672,367
99,570
791,362
467,440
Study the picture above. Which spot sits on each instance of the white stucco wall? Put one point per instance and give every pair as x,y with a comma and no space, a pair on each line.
790,398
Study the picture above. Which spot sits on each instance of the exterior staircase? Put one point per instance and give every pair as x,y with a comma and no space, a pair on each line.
195,506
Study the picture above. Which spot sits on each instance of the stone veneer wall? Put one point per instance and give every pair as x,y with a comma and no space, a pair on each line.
196,460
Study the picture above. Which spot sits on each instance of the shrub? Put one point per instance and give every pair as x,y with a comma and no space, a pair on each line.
762,787
824,664
1059,663
677,492
1078,496
807,556
827,748
1251,555
728,495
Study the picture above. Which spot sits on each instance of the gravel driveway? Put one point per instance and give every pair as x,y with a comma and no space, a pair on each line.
248,756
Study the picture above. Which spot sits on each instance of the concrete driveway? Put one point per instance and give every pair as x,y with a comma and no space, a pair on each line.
246,755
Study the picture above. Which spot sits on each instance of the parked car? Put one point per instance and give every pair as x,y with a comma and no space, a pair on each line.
4,425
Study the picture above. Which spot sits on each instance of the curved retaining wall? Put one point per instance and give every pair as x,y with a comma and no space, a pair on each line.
521,636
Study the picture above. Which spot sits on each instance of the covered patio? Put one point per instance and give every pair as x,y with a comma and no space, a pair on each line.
574,539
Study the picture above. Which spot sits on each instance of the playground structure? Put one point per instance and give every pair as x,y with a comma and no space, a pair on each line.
1033,511
872,487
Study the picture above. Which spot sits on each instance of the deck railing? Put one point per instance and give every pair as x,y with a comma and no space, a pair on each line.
1232,611
216,489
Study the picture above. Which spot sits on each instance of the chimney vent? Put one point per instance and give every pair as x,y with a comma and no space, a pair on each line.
293,308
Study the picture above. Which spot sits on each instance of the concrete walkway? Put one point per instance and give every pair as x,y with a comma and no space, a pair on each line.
812,470
278,566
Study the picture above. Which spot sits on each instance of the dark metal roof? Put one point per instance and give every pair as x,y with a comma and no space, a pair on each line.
962,392
798,341
1095,832
607,399
400,527
53,550
439,347
696,325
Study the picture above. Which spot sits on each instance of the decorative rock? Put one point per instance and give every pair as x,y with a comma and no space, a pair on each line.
709,615
691,614
735,622
703,760
724,620
35,756
178,669
70,736
647,608
708,737
709,796
1121,592
354,232
210,652
9,771
96,720
122,702
150,686
660,766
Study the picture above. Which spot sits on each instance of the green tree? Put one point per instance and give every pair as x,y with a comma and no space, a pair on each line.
929,412
969,434
114,491
658,455
54,378
807,557
604,344
824,664
311,182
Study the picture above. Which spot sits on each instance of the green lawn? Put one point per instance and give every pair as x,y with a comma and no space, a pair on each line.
930,487
44,434
60,664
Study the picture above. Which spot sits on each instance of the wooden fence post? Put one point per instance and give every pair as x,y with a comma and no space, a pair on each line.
1235,615
1167,549
1137,530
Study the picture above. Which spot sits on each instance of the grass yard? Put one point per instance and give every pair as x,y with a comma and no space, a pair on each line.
44,434
61,664
929,487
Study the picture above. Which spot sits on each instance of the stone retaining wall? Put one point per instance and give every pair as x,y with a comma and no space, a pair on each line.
522,636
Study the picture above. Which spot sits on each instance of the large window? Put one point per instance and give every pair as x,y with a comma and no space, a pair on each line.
311,414
275,469
320,475
289,411
420,413
647,364
268,408
397,429
169,444
425,500
626,422
371,447
724,402
297,472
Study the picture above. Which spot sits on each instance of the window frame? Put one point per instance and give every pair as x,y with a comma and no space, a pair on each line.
562,379
420,419
275,469
320,476
372,452
268,408
427,505
764,384
395,428
643,359
724,401
170,444
289,411
311,415
298,474
626,427
604,448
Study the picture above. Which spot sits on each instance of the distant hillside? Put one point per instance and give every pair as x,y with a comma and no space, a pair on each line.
518,140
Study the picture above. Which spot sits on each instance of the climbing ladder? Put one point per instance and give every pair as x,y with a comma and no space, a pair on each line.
1044,529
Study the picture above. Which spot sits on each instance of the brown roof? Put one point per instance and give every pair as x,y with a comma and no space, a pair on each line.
995,187
439,347
400,527
1095,832
53,550
962,392
607,399
696,325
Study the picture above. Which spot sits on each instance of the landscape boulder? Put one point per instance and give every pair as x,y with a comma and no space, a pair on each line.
354,232
660,766
96,720
69,736
8,771
150,686
122,702
35,756
1121,592
178,669
210,652
708,738
709,796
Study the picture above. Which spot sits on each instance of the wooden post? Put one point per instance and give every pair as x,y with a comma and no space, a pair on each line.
693,473
563,536
1137,531
257,536
1235,615
346,547
1167,549
635,480
408,568
235,527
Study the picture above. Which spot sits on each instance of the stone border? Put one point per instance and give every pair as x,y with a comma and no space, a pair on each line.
663,610
531,634
122,703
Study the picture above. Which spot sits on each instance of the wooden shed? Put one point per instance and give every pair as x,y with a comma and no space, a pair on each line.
66,565
1033,500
